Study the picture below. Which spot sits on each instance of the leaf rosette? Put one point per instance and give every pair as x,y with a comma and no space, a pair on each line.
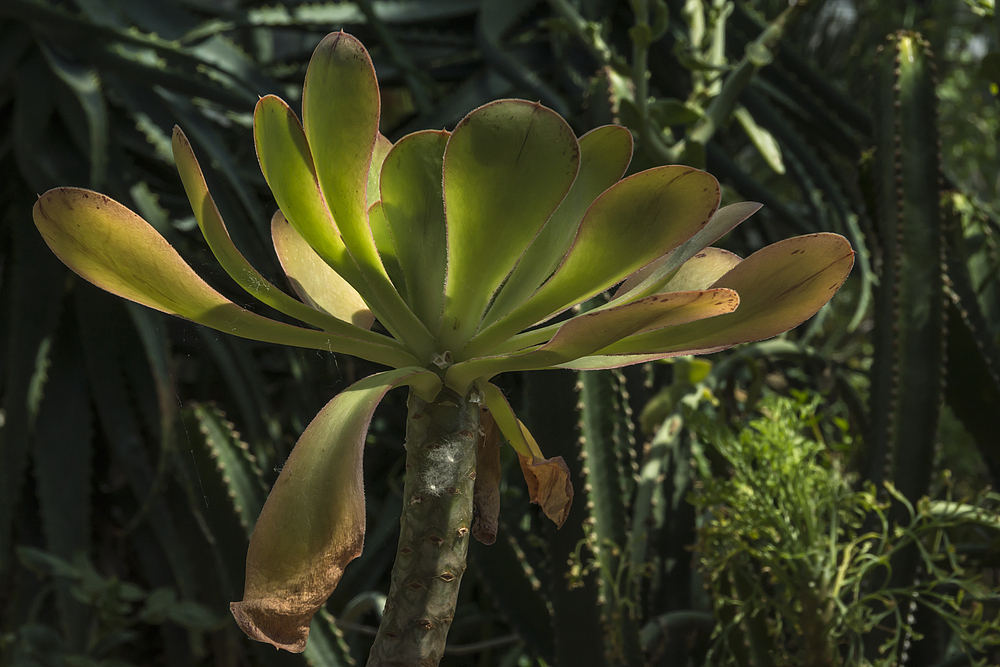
467,246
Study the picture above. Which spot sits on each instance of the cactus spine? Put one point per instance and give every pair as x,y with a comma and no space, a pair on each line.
908,377
910,314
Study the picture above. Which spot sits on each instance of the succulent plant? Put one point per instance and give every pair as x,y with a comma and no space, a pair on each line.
467,247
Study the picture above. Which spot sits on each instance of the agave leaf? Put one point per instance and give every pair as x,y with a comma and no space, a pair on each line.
112,247
605,154
780,286
596,329
413,203
229,256
313,280
313,522
653,277
507,167
634,222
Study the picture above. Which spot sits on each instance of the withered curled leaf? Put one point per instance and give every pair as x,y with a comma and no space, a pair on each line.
486,493
549,486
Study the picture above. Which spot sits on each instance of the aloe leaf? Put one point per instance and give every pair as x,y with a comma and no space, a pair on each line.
313,280
652,278
214,229
605,154
639,219
510,426
596,329
63,452
313,522
85,84
780,286
507,166
413,204
115,249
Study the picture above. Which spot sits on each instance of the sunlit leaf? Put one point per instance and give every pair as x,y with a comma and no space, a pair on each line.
652,278
313,280
313,523
507,167
229,256
340,112
510,426
412,200
604,156
379,152
118,251
780,286
596,329
637,220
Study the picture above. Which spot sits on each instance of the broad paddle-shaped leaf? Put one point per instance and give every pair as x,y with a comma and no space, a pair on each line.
118,251
313,523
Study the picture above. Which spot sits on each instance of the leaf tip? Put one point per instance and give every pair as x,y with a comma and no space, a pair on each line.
264,624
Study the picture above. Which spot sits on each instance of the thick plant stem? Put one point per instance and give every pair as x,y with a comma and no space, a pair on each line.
434,531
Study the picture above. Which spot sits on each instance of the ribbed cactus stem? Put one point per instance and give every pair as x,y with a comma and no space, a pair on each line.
434,531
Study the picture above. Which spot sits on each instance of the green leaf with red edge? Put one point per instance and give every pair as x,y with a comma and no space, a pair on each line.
605,154
412,200
507,166
313,280
596,329
653,277
313,523
340,114
637,220
229,256
286,160
112,247
780,287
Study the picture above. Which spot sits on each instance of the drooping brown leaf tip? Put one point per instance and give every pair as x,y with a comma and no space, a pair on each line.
549,486
280,630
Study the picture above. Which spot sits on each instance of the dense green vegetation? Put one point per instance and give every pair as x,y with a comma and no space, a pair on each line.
812,499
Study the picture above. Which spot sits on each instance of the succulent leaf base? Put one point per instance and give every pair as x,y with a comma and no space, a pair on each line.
464,245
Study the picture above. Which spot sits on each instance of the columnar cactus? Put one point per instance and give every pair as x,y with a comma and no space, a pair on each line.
465,246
